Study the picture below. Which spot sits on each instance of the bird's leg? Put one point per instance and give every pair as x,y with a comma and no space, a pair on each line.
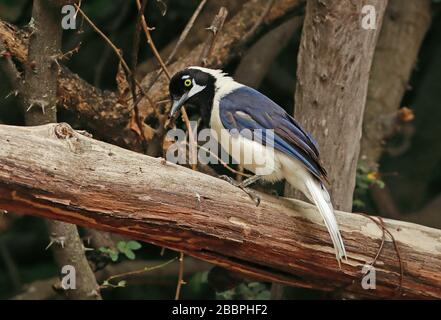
250,181
243,185
229,180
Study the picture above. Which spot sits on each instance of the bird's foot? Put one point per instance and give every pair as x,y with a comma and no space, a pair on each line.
229,180
254,196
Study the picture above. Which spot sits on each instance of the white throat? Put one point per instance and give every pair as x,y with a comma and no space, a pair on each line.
223,86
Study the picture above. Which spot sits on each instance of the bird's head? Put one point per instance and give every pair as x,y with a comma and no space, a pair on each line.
195,86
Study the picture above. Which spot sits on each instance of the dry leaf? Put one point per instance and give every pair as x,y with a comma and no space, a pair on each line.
405,114
133,125
149,132
121,81
167,142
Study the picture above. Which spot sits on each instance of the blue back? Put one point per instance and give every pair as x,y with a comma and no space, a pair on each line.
246,108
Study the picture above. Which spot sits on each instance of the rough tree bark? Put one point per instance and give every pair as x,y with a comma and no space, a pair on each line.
332,79
40,83
334,60
80,180
40,103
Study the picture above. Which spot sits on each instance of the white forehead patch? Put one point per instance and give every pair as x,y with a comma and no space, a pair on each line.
185,77
224,84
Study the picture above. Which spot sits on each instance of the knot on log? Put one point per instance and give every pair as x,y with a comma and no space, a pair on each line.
63,131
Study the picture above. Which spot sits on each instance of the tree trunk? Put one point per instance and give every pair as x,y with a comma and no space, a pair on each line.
40,103
334,62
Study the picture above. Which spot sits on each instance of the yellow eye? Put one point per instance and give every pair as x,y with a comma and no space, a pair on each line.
187,82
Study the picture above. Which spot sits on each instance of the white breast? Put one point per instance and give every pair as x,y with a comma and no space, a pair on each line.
252,155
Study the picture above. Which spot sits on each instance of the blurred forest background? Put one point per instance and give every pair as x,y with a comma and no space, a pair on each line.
405,185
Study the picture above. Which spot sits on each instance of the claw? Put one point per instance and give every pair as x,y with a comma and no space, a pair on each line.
229,180
250,193
255,197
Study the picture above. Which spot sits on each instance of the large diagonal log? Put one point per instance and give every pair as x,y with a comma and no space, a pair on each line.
54,172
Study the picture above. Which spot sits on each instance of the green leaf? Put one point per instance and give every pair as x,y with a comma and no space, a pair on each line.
380,184
358,203
104,250
226,295
121,246
134,245
130,254
204,277
256,285
264,295
113,255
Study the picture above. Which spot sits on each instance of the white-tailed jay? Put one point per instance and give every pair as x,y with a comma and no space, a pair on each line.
226,105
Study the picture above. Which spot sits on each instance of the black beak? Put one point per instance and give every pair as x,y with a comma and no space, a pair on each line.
177,104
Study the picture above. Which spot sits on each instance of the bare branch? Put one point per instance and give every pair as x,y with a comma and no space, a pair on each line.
180,276
215,29
108,41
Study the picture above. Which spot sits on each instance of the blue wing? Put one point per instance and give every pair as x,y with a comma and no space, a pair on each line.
246,108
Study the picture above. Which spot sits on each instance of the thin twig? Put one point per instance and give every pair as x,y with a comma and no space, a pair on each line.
380,223
115,25
262,17
186,31
216,26
180,276
140,271
135,51
224,164
184,116
400,261
383,236
150,41
136,37
181,39
167,72
110,43
67,55
239,174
